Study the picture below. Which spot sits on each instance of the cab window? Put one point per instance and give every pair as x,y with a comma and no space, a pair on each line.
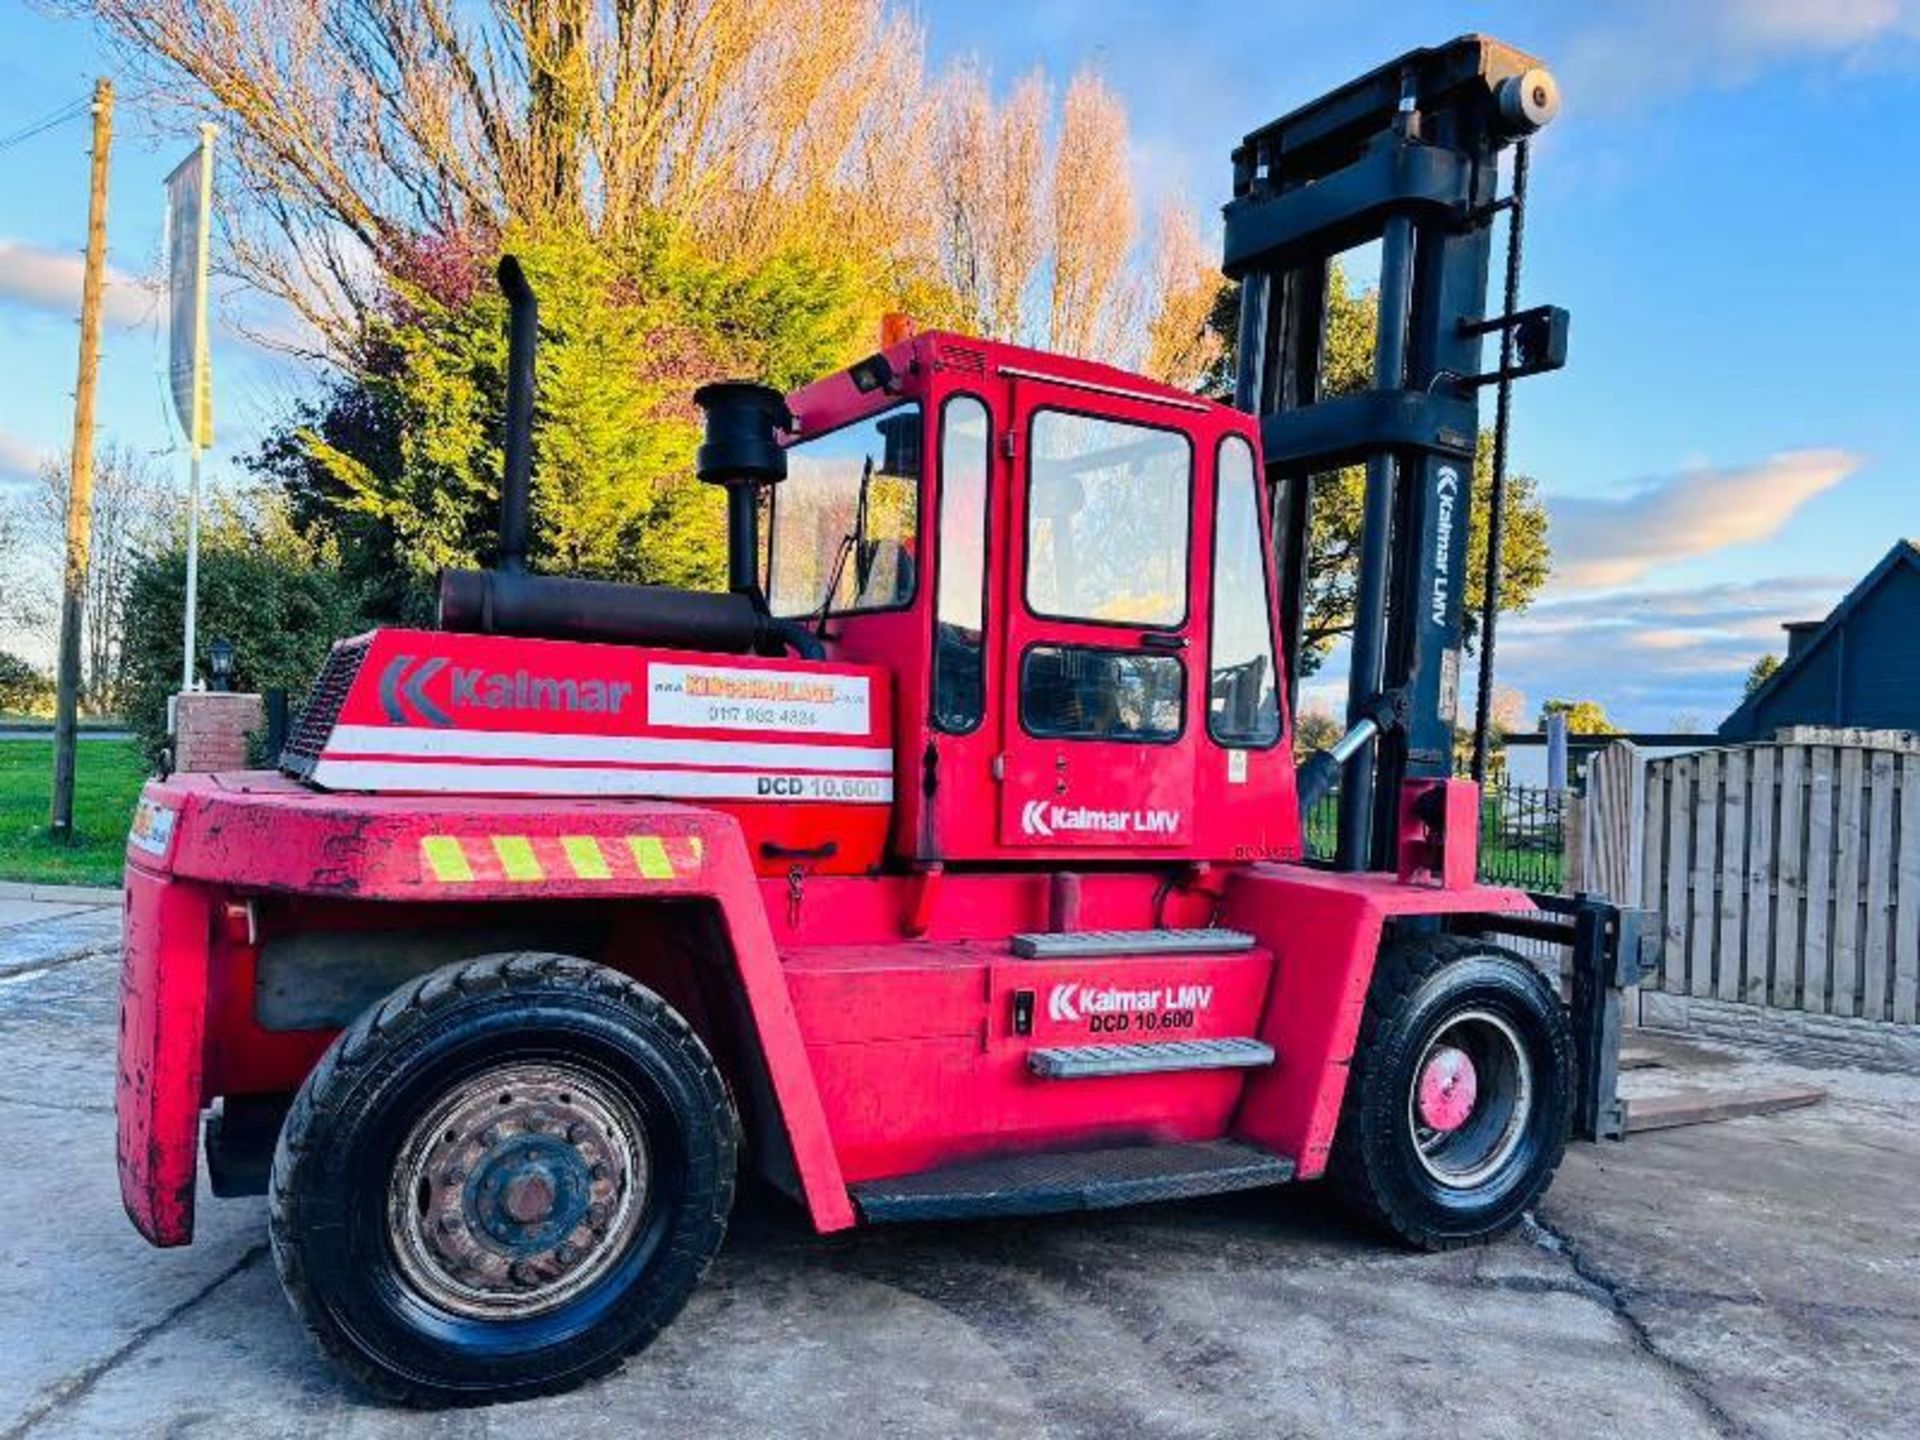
1084,692
844,522
1243,696
959,654
1107,518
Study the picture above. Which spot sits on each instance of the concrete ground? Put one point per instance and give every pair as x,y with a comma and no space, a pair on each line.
1756,1277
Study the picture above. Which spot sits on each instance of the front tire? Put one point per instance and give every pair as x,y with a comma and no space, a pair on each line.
502,1180
1460,1097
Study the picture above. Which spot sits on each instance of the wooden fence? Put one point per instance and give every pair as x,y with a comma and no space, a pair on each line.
1785,874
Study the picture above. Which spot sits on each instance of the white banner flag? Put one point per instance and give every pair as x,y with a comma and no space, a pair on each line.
190,365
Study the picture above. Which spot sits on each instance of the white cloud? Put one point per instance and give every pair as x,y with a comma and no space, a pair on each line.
1601,541
1664,639
18,458
1651,655
50,280
1646,49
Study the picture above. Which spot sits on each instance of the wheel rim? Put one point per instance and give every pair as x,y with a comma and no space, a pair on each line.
517,1191
1470,1099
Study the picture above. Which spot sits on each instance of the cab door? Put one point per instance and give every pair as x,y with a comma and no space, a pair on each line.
1099,698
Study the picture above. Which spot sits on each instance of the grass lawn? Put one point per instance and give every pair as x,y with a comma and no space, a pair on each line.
108,780
45,722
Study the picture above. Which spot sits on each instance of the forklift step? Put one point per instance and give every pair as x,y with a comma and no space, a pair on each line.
1053,1183
1078,1062
1075,944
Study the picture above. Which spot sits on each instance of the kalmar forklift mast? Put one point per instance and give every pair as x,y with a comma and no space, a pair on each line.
1407,156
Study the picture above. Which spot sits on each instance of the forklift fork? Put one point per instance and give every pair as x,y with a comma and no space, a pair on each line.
1609,948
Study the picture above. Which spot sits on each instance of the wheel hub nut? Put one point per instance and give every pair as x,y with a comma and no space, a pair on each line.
529,1198
1448,1088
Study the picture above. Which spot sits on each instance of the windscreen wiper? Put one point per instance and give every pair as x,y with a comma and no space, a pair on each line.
850,544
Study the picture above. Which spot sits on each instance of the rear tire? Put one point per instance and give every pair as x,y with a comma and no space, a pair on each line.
1460,1097
502,1180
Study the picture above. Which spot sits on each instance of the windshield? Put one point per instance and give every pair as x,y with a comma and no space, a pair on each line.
1107,504
845,518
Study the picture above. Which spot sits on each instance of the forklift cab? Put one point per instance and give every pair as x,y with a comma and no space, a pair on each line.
1065,568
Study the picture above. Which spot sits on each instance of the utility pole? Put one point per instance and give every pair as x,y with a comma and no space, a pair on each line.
80,474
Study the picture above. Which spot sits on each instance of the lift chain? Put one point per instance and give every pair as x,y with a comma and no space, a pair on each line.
1497,496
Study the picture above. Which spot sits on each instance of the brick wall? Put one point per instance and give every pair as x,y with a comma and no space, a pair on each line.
210,730
1813,1039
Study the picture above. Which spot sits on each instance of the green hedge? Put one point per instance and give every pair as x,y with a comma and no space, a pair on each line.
281,601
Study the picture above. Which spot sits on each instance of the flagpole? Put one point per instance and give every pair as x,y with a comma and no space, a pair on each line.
193,569
200,426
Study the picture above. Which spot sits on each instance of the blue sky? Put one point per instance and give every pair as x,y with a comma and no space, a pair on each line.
1727,205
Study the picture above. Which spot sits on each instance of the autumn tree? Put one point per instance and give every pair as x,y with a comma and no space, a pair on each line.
24,689
1508,716
357,127
1584,717
1182,347
988,165
1094,218
403,459
1508,711
1314,728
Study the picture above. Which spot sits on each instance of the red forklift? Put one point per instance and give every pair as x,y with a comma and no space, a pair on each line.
949,864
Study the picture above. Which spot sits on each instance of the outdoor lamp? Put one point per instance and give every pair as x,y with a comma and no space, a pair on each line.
220,664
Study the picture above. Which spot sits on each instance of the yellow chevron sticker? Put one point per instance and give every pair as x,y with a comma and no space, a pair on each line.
585,856
445,859
651,856
517,858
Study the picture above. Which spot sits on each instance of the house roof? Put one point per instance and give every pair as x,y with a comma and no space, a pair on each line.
1742,720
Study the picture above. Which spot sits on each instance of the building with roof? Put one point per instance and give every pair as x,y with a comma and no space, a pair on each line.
1858,668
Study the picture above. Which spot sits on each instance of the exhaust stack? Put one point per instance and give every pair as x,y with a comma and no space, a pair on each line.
516,484
741,453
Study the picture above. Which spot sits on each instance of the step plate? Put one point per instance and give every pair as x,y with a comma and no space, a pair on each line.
1087,943
1079,1062
1080,1180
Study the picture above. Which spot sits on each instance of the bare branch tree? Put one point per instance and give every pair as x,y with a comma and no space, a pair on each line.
962,163
1094,221
989,165
358,126
133,507
1037,224
21,607
1016,237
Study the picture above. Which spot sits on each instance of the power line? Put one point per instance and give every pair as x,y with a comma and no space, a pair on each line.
73,110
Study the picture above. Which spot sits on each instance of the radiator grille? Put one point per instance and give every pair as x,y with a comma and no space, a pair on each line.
309,733
963,358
